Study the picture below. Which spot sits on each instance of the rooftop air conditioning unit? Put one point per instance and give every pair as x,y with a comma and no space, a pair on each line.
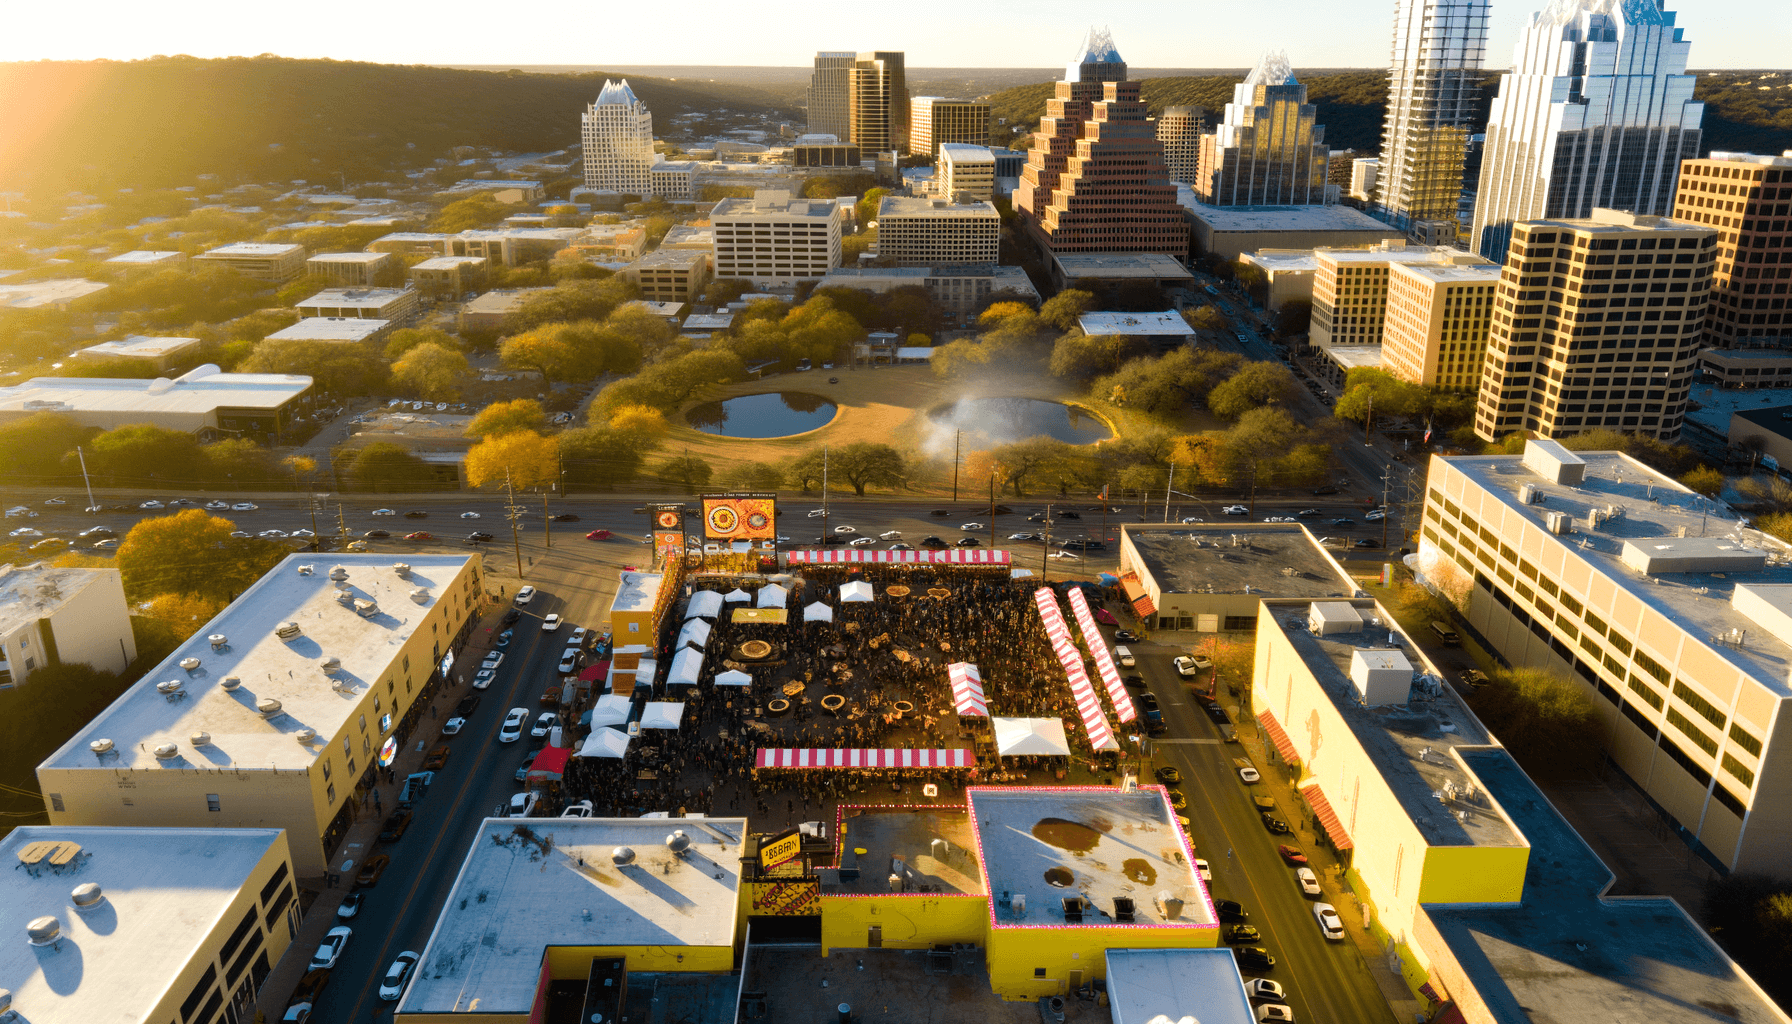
330,666
100,746
288,631
232,682
338,573
268,706
367,609
307,735
1558,522
420,595
403,570
167,752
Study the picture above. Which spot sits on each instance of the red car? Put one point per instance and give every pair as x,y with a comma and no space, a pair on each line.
1291,855
419,535
598,535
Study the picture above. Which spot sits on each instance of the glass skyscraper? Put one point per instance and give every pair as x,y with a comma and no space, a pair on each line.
1433,81
1268,151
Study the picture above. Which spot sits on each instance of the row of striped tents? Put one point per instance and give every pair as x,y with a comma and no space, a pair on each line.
1088,705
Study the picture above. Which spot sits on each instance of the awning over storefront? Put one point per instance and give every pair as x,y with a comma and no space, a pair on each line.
1104,659
595,671
864,757
1328,818
706,604
950,556
967,689
1284,746
1018,737
550,764
1137,597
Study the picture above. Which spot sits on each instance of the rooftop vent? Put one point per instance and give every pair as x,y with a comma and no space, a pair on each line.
339,573
201,739
1169,905
306,570
167,751
189,663
232,682
331,665
1558,522
169,687
1018,904
1124,911
101,746
86,895
420,595
622,855
217,640
345,598
403,570
1381,676
678,842
1073,909
1327,617
43,931
307,735
288,631
268,706
366,608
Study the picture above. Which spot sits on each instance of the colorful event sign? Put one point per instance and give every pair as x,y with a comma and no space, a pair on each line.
779,849
739,516
668,533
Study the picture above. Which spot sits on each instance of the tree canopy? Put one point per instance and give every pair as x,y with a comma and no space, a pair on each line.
191,552
522,458
500,418
432,372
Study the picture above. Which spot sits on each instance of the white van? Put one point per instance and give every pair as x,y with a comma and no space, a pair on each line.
1124,657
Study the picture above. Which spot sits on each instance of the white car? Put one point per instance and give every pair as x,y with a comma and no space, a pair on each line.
512,729
1375,516
1066,555
1236,510
1330,924
1193,519
817,513
1021,536
1274,1013
1203,870
1249,775
244,506
577,639
493,660
469,515
350,906
272,535
550,622
973,527
215,506
241,534
152,505
1186,667
1263,988
859,542
1309,882
582,809
890,535
383,512
54,501
331,949
523,804
25,531
899,546
524,596
484,678
569,662
545,724
396,975
303,533
453,726
844,529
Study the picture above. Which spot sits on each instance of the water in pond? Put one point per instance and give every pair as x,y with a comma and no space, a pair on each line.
988,422
775,414
1073,836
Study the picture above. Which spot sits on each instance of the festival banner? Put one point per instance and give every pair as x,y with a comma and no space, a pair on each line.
668,533
739,516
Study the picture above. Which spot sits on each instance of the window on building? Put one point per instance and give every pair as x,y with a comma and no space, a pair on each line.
211,802
56,802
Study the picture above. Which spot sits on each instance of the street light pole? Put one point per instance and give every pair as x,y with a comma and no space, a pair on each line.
513,512
1045,554
1386,476
955,436
83,457
1167,488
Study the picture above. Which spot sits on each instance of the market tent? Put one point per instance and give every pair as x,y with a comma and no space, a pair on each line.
734,677
595,671
694,634
1017,736
550,764
1104,659
818,612
1019,574
1088,706
736,596
848,556
706,604
661,714
761,616
609,710
686,665
857,590
864,757
772,596
967,689
605,743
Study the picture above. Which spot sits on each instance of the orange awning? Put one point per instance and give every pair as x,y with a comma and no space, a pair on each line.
1137,597
1328,818
1277,736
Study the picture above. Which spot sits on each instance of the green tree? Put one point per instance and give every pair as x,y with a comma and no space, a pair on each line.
1079,356
476,211
500,418
571,301
1168,383
1377,392
1020,463
686,471
337,369
32,448
806,470
384,465
143,451
301,288
239,462
1543,718
1064,309
864,463
753,476
869,203
1705,480
1142,479
191,552
1255,384
432,372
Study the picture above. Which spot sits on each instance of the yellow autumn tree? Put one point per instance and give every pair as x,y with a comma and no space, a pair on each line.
526,458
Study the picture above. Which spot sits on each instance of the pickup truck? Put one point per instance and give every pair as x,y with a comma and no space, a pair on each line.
1154,720
415,785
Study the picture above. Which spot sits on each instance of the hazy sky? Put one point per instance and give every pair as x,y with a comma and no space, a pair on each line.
993,33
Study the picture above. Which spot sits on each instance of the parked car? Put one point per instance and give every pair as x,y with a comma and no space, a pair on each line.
1274,1013
469,515
522,805
1202,869
1275,824
550,622
1236,510
598,535
1263,988
969,542
396,824
350,905
1254,958
392,986
569,661
524,596
1169,774
860,542
416,513
512,729
1292,855
492,660
972,527
371,870
1230,910
582,809
478,537
1249,775
467,705
1218,714
932,543
419,535
1308,882
453,726
437,758
1368,542
550,696
890,535
1242,933
544,724
330,950
484,678
1330,924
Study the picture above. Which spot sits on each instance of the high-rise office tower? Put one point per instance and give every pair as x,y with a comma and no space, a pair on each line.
1433,81
1597,111
877,93
1267,151
829,95
618,136
1746,198
935,121
1180,130
1095,179
1596,322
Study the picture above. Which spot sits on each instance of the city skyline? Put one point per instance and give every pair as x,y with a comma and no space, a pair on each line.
1316,35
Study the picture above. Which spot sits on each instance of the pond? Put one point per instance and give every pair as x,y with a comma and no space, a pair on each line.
987,422
775,414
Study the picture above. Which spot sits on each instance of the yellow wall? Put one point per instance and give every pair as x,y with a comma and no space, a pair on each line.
908,922
574,962
1474,874
1016,953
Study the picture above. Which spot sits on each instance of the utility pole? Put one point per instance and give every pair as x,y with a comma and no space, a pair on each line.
1167,488
956,434
992,509
342,536
513,512
83,457
311,505
1045,555
824,499
1386,476
1104,513
546,531
1253,512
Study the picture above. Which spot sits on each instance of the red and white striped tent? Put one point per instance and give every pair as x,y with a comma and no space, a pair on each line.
1104,659
864,757
852,556
967,689
1088,705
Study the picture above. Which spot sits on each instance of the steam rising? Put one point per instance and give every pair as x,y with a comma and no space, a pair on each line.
989,422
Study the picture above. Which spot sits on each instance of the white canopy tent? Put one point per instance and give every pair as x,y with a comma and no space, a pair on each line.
772,596
1018,736
705,604
694,634
609,710
818,612
733,677
856,591
604,743
661,715
686,666
737,595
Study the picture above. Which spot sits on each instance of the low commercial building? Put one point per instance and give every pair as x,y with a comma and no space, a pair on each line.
160,353
202,401
508,246
773,239
349,269
274,262
298,688
61,294
346,330
1112,268
1146,985
447,275
1437,319
397,305
957,289
1230,231
491,312
504,190
1747,367
925,232
1159,330
140,261
609,243
52,616
670,275
163,924
966,170
1769,429
690,236
1212,577
1336,362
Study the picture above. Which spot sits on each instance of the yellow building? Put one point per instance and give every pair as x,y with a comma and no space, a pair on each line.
274,714
904,878
550,900
143,924
1437,321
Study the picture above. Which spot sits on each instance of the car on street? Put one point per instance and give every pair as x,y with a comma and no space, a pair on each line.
416,513
453,726
396,824
901,547
1069,556
569,661
1169,774
1344,522
1021,536
522,805
244,506
1330,924
272,535
1374,517
1243,933
1067,514
940,513
550,622
1127,636
212,506
845,529
577,639
890,535
437,758
478,537
1254,958
376,534
1203,870
1230,910
98,531
383,512
1236,510
1308,513
973,527
524,596
512,729
969,542
511,616
598,535
151,505
932,543
1263,988
467,705
1308,882
859,542
1274,1013
1147,701
582,809
469,515
371,870
303,533
1187,666
1270,821
183,503
419,535
1193,519
350,905
106,545
1218,714
492,660
1368,542
564,517
544,724
26,532
817,513
522,772
392,986
1291,854
330,950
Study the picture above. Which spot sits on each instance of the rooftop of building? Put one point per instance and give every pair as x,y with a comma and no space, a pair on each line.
933,208
689,234
661,309
618,231
330,328
1605,221
501,301
1399,252
252,250
35,294
298,590
682,259
447,262
871,839
147,256
1146,985
164,894
1783,160
349,257
990,270
1747,353
1049,844
708,321
774,202
637,591
1283,261
367,298
527,885
1480,272
1776,420
1650,506
1282,218
1267,559
200,390
1351,357
34,591
1565,953
616,92
1410,743
1170,323
1152,265
879,985
964,153
140,346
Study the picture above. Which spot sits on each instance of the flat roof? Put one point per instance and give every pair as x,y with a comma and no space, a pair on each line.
268,667
35,591
1220,558
1176,983
540,882
254,249
1351,357
331,328
687,234
1169,323
1395,252
147,256
1408,743
447,262
1283,261
1283,218
1565,953
141,346
1776,420
666,309
1155,265
1653,505
359,298
882,985
165,894
1097,842
683,259
708,321
886,832
33,294
911,206
193,392
502,301
637,591
964,152
349,257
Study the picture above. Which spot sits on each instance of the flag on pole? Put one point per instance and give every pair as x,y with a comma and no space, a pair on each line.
1427,430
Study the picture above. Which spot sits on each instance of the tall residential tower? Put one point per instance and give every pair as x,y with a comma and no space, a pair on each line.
1433,79
829,90
1268,151
1180,130
1597,111
618,136
877,93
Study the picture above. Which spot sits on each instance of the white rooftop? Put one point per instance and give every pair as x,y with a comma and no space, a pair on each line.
36,294
1176,983
1352,357
447,262
139,346
254,249
268,667
637,591
708,321
1170,323
527,885
165,893
201,390
964,153
1453,273
331,328
1392,252
1282,218
350,257
907,206
35,591
361,298
688,234
147,256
